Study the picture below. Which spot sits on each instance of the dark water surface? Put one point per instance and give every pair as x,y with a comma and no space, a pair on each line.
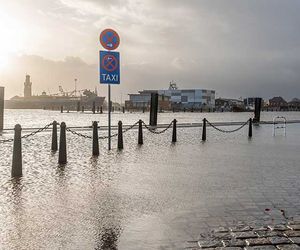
157,196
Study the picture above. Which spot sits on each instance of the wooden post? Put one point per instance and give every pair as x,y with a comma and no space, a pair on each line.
61,109
54,137
140,139
204,130
153,109
250,128
78,106
101,110
95,139
120,135
257,110
82,109
123,109
1,108
16,170
62,157
98,109
94,108
174,135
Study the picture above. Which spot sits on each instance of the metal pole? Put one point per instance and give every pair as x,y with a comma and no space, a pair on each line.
109,124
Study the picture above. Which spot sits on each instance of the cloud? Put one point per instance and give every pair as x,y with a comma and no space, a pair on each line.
238,48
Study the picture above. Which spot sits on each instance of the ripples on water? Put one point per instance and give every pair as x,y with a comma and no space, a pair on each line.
155,196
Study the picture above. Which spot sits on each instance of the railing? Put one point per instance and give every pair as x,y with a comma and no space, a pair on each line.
279,122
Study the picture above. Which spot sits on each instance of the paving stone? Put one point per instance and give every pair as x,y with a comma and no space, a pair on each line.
292,233
241,228
295,240
267,247
210,243
221,230
260,228
279,240
228,248
278,227
288,247
245,235
223,236
258,241
234,243
294,227
270,233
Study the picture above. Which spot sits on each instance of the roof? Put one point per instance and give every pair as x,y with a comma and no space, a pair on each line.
277,99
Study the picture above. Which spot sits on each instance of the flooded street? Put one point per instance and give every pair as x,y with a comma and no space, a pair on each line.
154,196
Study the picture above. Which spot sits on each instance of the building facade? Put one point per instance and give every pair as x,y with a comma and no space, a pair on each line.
179,98
27,87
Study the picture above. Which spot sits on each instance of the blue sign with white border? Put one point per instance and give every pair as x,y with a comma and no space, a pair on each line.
109,67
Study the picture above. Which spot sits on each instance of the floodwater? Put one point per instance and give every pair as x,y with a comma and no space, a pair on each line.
154,196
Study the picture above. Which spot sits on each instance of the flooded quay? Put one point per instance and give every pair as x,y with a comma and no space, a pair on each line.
155,196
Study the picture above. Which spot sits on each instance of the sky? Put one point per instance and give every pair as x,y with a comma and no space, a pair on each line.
240,48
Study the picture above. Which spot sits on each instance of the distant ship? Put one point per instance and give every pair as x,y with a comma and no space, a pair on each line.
69,100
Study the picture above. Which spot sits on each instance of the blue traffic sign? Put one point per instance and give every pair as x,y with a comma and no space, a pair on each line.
109,67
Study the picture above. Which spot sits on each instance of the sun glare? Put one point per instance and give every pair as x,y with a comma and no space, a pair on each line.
11,39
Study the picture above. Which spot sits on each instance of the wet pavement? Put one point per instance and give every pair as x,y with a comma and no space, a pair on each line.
285,235
154,196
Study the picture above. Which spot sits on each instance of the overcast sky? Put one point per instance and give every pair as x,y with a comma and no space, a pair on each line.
237,47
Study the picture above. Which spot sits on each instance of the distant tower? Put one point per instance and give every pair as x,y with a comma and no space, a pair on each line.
27,87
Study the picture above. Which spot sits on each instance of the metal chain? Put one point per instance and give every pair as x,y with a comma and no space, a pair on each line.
28,135
78,134
124,131
37,131
152,130
228,131
7,140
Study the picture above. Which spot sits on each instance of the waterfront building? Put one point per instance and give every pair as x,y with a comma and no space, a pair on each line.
294,104
179,98
227,104
69,100
277,103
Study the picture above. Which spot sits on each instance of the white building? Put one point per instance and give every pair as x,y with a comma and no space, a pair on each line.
183,98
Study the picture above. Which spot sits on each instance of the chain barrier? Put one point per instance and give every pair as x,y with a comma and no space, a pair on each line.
37,131
78,134
152,130
28,135
228,131
100,137
124,131
5,141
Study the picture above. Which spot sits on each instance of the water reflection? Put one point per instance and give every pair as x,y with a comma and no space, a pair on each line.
18,214
108,238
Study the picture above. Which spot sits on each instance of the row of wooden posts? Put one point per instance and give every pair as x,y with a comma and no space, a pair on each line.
62,147
99,109
62,156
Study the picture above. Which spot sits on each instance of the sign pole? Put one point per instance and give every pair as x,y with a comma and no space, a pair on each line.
109,119
109,67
